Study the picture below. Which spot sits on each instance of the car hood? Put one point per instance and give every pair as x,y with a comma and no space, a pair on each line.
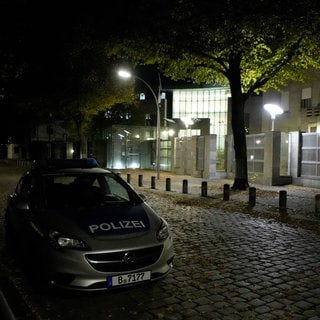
120,219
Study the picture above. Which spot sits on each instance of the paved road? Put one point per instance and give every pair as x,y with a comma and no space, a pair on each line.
229,265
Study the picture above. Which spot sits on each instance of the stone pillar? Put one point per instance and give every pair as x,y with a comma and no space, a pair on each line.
177,156
210,157
272,160
188,155
194,155
294,154
271,157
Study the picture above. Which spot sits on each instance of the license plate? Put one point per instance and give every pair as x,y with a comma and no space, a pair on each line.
129,278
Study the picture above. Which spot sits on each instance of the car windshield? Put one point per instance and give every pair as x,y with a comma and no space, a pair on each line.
79,190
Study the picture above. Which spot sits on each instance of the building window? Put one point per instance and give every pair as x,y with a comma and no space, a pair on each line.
305,98
312,127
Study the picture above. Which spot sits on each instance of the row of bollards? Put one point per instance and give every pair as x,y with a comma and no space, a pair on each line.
204,189
253,196
226,192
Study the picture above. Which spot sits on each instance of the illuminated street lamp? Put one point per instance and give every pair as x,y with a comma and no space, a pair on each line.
125,74
274,110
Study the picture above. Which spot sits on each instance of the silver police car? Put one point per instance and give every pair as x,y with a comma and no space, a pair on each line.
83,227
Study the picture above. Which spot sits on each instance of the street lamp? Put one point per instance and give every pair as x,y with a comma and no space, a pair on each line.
274,110
125,74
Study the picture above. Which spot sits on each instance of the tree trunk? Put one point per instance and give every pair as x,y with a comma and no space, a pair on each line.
238,128
83,146
82,139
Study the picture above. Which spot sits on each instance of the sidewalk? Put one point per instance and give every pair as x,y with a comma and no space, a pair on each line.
300,203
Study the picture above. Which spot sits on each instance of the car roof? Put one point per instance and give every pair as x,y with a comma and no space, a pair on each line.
83,165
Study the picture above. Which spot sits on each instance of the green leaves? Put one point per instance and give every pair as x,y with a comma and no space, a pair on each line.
196,42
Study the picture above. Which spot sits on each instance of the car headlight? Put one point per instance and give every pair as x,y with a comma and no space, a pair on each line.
163,231
60,241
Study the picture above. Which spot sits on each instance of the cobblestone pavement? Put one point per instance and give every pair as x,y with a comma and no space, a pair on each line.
229,265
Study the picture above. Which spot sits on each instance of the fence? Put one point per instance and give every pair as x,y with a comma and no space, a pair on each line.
310,155
255,153
275,157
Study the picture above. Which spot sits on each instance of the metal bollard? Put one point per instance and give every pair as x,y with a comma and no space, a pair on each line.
204,189
317,205
252,196
168,184
153,182
283,202
185,186
140,180
226,192
128,177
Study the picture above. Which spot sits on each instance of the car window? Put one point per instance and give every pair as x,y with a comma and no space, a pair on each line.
116,189
79,190
29,192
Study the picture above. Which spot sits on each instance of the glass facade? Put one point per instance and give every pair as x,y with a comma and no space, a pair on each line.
209,103
135,147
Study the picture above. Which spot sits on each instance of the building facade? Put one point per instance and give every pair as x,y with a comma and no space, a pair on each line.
196,137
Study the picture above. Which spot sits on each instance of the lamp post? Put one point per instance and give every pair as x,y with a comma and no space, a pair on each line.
273,110
157,98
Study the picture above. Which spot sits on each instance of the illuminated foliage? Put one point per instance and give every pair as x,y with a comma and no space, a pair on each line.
249,45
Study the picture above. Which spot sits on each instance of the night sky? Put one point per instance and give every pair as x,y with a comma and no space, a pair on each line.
38,38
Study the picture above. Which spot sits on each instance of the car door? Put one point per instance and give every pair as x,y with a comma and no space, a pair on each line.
22,205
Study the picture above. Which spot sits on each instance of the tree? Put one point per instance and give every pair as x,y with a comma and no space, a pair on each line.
248,45
52,63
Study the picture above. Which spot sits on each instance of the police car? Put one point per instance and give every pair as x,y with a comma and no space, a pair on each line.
83,227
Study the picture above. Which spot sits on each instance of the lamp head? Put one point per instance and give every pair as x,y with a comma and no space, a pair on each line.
273,109
124,74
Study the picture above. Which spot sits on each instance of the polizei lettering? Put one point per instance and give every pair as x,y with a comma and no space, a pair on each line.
118,225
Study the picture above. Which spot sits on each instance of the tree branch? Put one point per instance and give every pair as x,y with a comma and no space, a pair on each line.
266,76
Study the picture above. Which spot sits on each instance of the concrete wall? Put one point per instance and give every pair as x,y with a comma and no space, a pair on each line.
185,156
